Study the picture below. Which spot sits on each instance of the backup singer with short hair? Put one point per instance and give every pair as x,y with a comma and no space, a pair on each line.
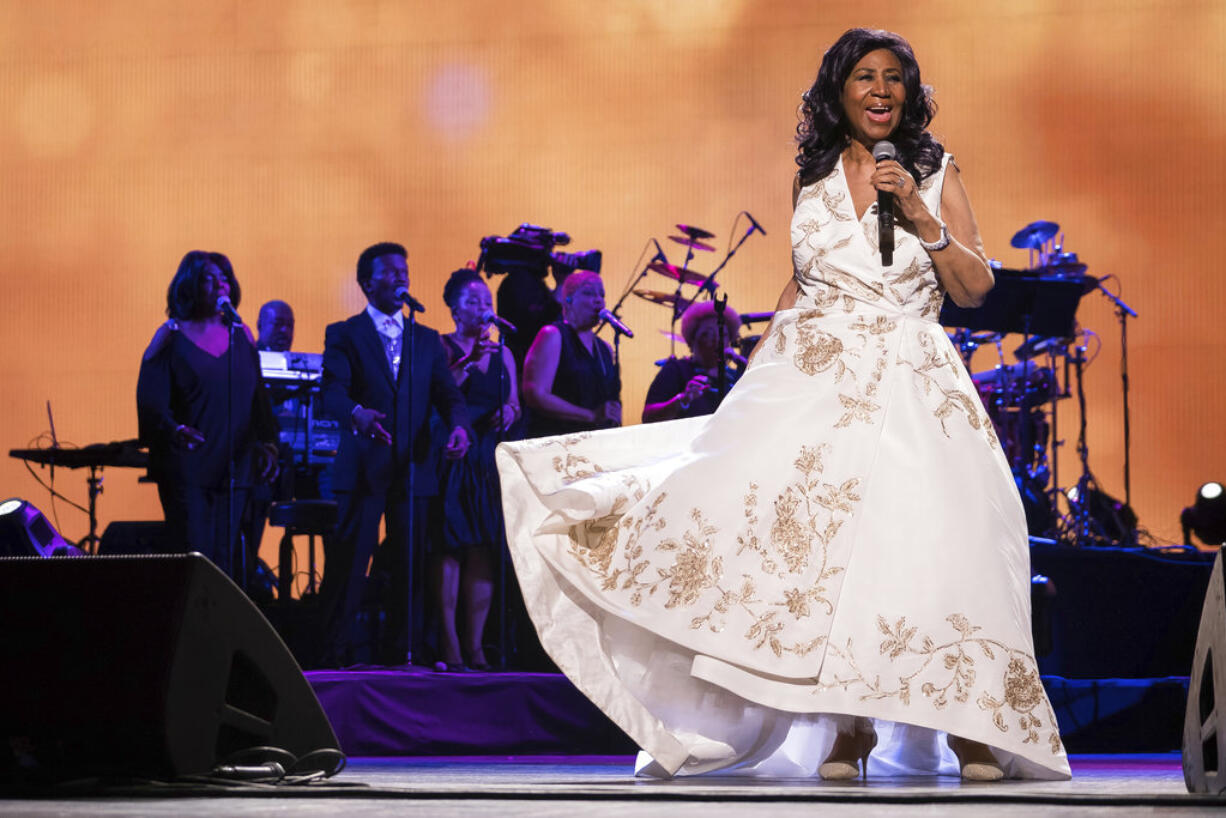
571,382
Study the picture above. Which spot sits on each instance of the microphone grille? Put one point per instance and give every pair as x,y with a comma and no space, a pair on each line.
884,150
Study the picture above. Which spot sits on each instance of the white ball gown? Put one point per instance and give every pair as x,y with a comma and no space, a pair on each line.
842,538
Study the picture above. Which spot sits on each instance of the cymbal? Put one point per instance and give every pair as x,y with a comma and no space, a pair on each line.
677,273
695,232
694,243
1035,235
657,297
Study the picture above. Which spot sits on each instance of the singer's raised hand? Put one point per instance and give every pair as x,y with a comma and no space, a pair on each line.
891,177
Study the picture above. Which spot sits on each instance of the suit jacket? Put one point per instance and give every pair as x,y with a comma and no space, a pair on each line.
356,371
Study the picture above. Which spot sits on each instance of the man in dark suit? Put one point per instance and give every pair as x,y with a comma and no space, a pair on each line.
381,374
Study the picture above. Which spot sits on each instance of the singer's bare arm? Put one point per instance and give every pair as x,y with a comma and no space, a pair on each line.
540,368
962,266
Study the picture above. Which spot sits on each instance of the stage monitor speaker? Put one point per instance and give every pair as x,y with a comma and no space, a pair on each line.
142,667
134,537
1204,723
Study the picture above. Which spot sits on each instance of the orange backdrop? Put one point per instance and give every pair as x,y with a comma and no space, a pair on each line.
291,134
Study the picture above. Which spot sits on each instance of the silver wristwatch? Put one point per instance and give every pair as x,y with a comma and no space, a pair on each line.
939,244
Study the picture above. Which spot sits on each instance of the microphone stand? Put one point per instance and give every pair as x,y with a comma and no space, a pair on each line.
411,546
721,374
502,549
231,522
629,287
1124,312
708,284
672,327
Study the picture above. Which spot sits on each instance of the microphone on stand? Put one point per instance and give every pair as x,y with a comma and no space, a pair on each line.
754,222
615,322
503,324
228,314
402,295
882,151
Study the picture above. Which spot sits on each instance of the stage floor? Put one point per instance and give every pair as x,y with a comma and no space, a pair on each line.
543,786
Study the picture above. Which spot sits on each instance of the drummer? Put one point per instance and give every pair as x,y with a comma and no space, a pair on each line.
687,387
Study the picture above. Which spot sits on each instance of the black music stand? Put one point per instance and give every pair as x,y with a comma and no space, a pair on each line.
1022,302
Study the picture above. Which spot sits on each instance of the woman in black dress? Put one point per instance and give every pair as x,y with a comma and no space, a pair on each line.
571,382
201,405
471,527
688,387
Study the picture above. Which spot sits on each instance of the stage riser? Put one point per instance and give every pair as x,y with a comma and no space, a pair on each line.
418,713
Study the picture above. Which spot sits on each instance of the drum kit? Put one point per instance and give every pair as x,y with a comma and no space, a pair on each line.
1023,398
694,240
691,239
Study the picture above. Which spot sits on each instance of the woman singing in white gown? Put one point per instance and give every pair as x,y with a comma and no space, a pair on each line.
830,574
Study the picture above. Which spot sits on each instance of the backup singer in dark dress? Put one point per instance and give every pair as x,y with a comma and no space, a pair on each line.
471,526
181,399
366,386
571,382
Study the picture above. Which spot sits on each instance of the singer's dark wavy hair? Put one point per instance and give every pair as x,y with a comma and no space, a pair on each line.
823,133
366,261
456,283
184,290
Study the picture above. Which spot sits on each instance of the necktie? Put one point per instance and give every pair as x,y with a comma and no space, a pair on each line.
392,342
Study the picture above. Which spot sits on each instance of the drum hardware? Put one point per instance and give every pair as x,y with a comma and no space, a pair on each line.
1027,303
677,273
1059,263
695,232
966,342
748,318
1093,517
693,244
692,239
127,454
1042,345
669,299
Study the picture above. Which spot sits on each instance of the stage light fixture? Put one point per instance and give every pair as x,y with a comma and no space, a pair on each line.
1206,517
25,532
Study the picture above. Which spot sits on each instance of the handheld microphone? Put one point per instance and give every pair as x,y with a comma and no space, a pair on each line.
503,324
882,151
402,295
754,222
615,322
228,314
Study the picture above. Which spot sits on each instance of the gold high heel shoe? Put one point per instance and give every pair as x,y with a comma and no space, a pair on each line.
849,756
975,760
